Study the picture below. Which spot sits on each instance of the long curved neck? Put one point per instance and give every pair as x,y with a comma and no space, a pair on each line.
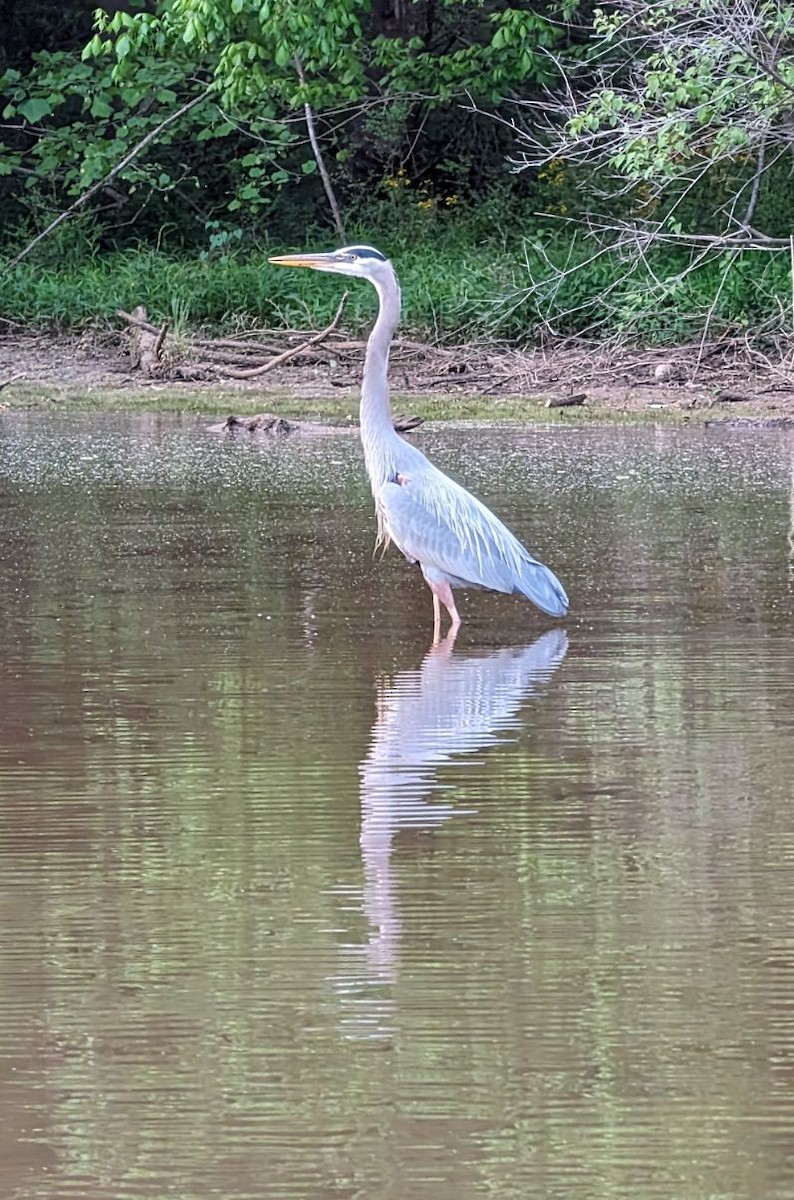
377,430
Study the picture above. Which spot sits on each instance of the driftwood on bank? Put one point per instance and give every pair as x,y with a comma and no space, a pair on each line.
553,375
263,423
729,396
286,355
145,341
253,353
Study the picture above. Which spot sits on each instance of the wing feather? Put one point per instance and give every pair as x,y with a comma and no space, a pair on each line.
437,522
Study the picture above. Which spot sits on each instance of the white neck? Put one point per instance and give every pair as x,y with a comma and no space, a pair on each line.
377,430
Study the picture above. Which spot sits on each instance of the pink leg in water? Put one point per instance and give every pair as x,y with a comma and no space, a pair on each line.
443,592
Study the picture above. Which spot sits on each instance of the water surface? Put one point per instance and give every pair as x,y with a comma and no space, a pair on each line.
294,905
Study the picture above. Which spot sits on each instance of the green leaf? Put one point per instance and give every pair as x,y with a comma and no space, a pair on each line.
34,109
123,46
309,167
100,107
93,48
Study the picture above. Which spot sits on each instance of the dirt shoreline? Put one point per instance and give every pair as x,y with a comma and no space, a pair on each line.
94,372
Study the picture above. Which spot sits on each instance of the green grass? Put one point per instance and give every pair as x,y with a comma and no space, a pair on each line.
444,296
464,278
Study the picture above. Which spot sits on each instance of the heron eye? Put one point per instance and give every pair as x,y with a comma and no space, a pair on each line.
353,257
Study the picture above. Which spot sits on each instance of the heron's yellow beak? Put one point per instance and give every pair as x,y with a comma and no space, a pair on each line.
315,261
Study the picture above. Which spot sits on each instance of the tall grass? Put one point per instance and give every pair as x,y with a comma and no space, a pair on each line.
481,275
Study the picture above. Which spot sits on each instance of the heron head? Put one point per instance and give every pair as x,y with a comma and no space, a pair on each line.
364,262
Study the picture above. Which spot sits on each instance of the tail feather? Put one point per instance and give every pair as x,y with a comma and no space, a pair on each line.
543,588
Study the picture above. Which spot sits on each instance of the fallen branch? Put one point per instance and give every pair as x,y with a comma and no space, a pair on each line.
158,345
241,350
270,425
447,380
286,355
137,321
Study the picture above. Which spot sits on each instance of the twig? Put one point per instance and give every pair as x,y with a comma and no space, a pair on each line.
731,260
151,136
288,354
237,348
11,379
452,380
756,187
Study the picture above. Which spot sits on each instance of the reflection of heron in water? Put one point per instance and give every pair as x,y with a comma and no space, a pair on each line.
452,705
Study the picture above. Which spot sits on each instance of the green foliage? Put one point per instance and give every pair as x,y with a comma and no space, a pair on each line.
97,120
326,54
73,117
688,84
187,222
463,278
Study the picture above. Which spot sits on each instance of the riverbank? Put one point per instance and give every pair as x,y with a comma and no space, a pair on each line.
93,371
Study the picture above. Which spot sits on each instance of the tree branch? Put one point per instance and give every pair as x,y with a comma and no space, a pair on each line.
756,188
151,136
318,158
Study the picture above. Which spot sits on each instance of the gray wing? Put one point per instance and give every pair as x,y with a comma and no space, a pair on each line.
454,536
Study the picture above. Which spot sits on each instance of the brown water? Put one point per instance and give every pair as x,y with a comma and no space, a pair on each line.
290,907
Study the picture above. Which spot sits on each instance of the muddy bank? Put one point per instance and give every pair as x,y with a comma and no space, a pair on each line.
95,371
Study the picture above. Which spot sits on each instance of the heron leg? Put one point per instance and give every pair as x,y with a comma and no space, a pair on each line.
443,592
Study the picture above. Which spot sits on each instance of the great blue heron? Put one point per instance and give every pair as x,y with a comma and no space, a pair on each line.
434,521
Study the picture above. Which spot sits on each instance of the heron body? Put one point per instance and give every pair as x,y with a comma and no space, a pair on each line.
456,540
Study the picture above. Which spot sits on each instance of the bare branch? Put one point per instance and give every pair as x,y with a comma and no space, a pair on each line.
319,159
286,355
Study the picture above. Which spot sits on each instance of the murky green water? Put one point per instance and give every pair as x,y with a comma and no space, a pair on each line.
291,907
